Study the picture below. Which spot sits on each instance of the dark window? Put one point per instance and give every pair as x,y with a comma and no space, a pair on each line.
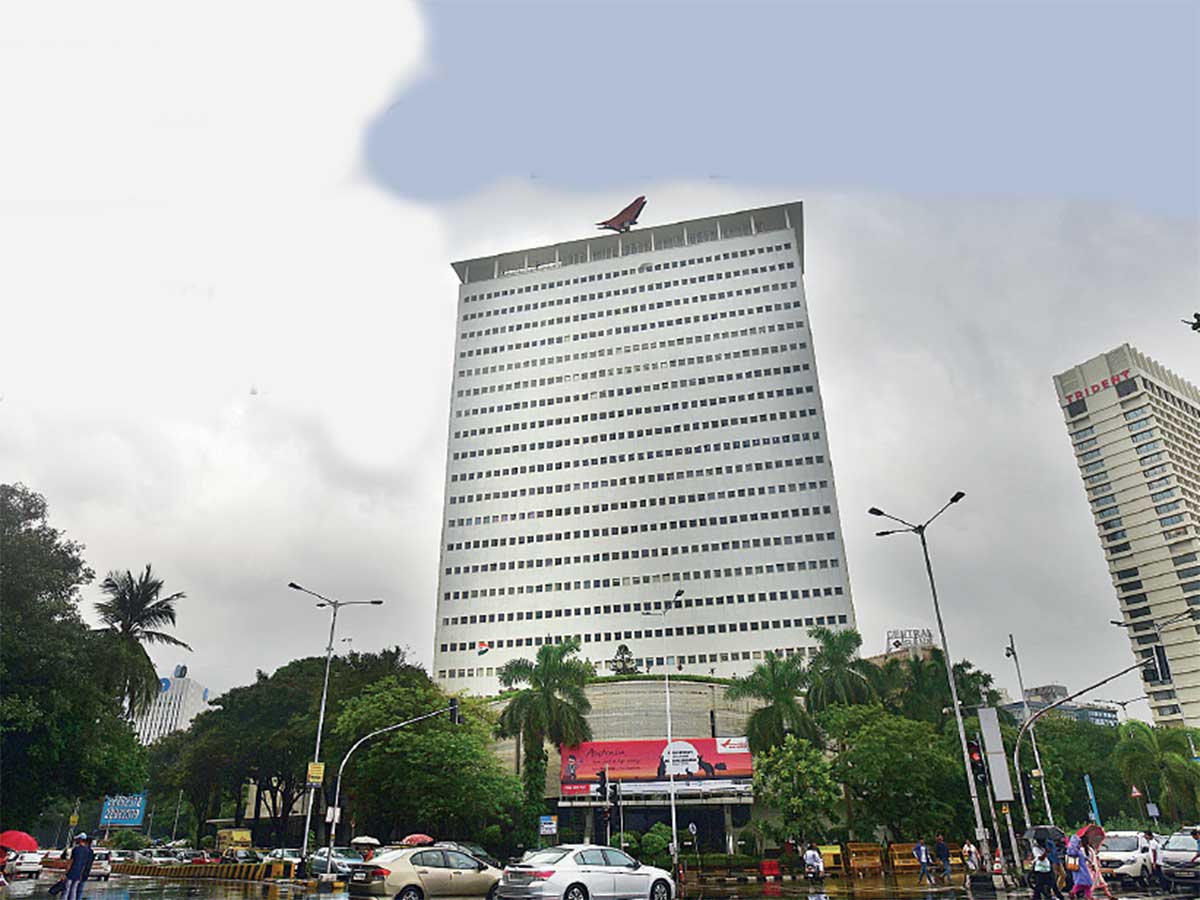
1127,387
1079,407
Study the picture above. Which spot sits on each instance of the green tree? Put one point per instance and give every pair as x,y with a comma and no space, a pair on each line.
62,733
899,772
552,706
795,779
622,663
1162,757
777,683
836,675
134,615
433,776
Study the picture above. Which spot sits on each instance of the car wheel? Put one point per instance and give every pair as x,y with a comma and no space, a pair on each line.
575,892
410,893
660,890
491,894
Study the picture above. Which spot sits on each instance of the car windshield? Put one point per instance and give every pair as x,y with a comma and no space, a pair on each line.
1123,844
1180,842
541,857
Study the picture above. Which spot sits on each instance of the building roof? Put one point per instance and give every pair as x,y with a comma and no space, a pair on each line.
602,246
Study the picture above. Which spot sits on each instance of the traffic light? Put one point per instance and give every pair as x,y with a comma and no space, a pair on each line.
455,715
603,791
978,763
1027,788
614,794
605,815
1160,659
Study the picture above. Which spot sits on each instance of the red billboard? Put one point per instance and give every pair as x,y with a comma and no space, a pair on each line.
699,765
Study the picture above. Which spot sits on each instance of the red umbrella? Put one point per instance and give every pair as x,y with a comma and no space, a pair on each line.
19,841
1091,834
416,840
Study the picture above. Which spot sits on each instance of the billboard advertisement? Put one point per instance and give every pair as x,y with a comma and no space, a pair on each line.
124,809
699,765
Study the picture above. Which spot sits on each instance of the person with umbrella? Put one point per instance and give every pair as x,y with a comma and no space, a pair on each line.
1043,872
365,845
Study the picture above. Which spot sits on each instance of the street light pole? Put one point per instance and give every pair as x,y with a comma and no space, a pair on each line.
1011,651
335,605
919,531
670,769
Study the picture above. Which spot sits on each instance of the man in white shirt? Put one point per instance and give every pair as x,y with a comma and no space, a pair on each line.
814,863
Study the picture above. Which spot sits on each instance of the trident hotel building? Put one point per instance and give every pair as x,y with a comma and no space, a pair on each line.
634,416
1135,429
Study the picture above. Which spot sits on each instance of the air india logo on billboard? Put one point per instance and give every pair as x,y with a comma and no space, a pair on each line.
698,765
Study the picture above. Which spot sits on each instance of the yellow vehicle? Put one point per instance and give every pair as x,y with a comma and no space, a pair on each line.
233,839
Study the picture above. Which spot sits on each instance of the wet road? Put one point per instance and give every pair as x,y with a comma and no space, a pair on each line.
145,888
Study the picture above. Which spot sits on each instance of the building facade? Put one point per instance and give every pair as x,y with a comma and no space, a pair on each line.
180,699
1135,429
633,415
1038,698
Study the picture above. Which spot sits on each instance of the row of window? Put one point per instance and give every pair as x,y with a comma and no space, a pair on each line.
619,273
621,505
616,371
643,478
626,608
656,409
604,556
633,308
639,348
652,387
609,531
637,634
680,322
662,453
596,584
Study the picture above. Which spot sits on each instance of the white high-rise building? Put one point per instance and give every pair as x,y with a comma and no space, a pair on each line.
180,699
634,415
1135,427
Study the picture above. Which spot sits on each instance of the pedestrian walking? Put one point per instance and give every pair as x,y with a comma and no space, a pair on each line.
1077,853
1093,858
921,852
942,851
80,866
1154,848
970,856
1043,872
1059,881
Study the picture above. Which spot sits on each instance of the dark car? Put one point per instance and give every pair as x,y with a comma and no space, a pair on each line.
241,855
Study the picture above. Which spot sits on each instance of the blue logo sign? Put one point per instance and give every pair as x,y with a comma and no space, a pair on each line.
125,809
164,684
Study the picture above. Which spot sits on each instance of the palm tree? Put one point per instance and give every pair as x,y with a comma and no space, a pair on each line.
553,706
778,683
1144,755
836,675
133,616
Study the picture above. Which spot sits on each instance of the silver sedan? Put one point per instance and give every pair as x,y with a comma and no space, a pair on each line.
584,872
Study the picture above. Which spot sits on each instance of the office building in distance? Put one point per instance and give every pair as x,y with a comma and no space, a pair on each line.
1135,429
635,415
179,700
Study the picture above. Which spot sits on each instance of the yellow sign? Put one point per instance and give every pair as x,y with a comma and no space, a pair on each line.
1004,809
316,773
73,820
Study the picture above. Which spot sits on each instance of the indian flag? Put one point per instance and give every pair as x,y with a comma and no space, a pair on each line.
482,647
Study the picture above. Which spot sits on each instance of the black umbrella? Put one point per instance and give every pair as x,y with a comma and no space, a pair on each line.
1043,833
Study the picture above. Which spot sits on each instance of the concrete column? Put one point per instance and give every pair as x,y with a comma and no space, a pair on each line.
730,839
589,820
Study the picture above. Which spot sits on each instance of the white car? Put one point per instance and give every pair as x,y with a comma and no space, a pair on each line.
1121,858
156,856
24,865
584,872
101,865
284,854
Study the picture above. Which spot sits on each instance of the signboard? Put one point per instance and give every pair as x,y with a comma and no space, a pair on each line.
316,774
548,825
1135,793
73,819
333,814
993,746
124,809
1091,792
905,638
699,766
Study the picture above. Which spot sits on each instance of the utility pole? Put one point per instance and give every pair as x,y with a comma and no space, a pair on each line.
175,827
1011,651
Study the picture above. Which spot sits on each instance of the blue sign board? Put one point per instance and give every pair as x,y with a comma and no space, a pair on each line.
126,809
1087,780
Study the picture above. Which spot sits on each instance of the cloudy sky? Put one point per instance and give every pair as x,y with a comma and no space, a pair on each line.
228,313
